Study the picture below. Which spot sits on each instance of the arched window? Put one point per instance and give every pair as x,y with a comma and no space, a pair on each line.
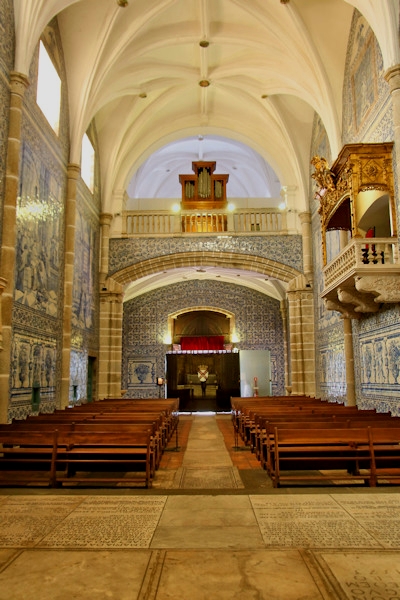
87,162
48,93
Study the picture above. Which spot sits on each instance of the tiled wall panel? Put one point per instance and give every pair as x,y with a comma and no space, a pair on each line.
6,64
257,317
282,249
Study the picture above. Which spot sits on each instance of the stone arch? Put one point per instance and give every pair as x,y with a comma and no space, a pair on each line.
228,260
229,315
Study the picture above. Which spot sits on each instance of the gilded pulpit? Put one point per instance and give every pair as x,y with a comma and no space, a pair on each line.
356,196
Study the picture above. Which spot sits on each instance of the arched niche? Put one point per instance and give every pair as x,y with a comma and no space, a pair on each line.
202,321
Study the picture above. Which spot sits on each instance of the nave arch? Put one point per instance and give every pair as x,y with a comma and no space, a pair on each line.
229,260
296,305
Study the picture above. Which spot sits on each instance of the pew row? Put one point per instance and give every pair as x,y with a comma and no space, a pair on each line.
53,457
370,455
118,441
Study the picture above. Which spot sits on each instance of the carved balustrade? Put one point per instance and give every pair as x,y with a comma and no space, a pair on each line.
241,221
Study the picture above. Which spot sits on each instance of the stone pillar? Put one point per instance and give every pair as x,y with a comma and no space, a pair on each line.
110,340
18,85
3,284
301,333
285,346
105,223
349,358
305,220
73,173
392,76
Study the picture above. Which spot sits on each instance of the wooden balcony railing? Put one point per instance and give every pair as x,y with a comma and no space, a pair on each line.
247,221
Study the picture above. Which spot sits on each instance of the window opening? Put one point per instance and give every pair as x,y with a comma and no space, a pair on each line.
48,94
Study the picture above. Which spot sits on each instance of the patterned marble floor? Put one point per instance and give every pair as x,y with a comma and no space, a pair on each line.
128,545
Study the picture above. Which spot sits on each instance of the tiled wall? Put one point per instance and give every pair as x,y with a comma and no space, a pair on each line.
39,273
367,117
258,325
38,296
6,64
286,250
85,298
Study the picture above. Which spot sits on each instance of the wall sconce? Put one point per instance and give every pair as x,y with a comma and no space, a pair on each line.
176,208
160,383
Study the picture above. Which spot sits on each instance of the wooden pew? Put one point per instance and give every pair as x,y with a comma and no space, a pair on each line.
343,454
37,456
386,454
266,439
370,454
265,428
117,431
28,457
87,455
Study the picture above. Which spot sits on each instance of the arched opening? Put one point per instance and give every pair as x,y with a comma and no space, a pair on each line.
202,369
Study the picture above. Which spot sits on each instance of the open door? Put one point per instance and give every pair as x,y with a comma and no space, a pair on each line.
222,381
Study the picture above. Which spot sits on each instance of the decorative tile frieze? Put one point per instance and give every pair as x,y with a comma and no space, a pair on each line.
283,249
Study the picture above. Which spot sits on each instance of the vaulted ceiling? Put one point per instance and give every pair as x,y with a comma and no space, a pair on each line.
166,79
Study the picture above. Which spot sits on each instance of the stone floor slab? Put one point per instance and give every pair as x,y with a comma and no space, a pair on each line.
208,478
25,520
241,575
362,575
109,522
207,537
311,521
379,515
64,575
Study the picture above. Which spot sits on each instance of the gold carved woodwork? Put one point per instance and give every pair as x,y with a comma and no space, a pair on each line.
358,168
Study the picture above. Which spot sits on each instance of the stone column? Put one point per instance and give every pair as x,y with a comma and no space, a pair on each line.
18,85
285,346
392,76
111,312
301,333
105,222
305,220
349,358
110,340
73,173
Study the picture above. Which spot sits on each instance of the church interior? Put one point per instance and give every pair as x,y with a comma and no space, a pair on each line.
199,203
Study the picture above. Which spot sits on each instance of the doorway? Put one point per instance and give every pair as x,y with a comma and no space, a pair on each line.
222,381
91,378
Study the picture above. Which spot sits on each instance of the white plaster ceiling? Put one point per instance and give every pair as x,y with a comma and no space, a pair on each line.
136,71
250,279
250,176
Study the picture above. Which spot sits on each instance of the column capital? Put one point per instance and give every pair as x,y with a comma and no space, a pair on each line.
18,83
73,171
106,218
392,76
107,297
305,217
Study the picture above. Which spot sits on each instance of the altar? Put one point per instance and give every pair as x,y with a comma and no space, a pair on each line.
194,385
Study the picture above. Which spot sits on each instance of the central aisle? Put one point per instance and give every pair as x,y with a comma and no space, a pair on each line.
206,462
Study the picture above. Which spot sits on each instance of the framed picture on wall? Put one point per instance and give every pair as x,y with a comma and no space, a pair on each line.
141,371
